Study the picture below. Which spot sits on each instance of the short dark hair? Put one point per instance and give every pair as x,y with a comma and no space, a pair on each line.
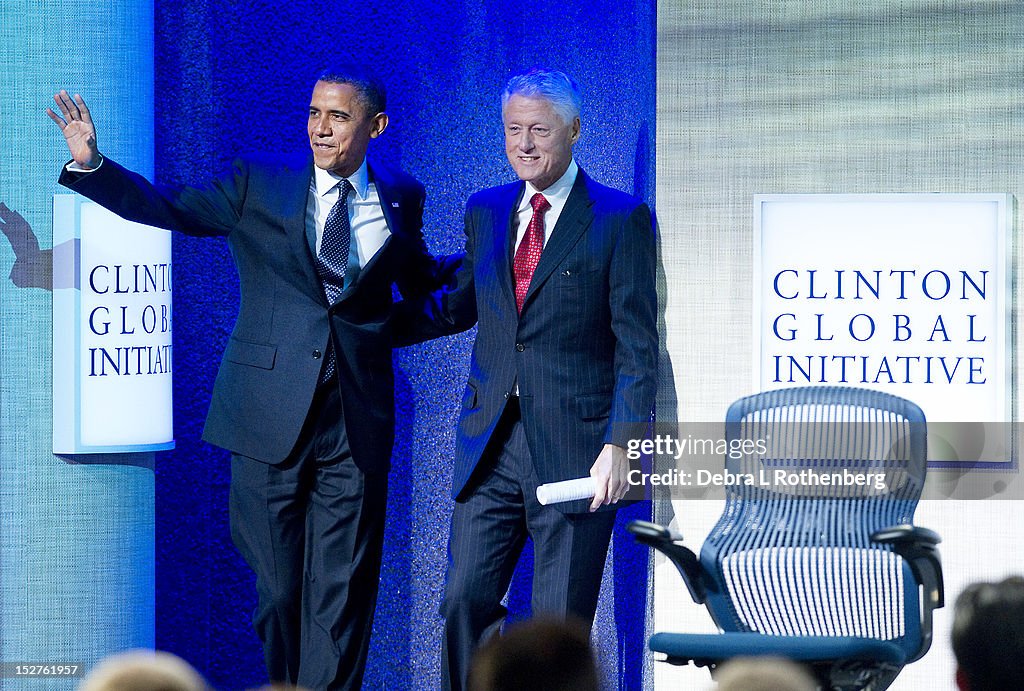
367,85
988,634
540,655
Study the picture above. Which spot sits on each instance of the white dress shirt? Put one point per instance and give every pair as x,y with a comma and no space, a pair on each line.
366,217
556,194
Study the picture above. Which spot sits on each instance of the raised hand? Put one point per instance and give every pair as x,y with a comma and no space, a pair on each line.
75,122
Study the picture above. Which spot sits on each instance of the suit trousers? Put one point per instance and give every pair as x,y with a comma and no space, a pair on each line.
490,525
312,529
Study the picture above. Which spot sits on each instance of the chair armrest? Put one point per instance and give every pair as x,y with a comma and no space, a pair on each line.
906,533
686,562
918,547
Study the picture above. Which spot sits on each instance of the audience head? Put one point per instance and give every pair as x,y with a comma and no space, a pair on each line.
988,636
537,655
143,670
763,674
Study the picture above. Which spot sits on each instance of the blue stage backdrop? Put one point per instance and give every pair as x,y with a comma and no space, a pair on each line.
235,77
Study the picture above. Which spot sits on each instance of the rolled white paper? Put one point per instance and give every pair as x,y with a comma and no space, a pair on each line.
567,490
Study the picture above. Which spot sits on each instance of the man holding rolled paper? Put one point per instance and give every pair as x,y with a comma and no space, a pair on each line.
560,275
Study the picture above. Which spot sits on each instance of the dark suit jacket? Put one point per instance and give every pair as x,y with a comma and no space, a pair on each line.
584,350
272,361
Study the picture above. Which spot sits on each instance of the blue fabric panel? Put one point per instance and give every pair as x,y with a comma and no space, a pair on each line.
235,77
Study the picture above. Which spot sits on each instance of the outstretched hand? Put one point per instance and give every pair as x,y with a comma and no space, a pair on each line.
75,122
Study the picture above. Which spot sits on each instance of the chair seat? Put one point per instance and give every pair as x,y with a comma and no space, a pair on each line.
722,646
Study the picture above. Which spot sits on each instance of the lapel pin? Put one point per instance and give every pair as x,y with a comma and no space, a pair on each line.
394,205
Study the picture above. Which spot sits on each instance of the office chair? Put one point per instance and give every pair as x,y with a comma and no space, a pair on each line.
833,575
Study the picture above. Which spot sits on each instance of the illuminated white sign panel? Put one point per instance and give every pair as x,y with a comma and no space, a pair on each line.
907,294
111,332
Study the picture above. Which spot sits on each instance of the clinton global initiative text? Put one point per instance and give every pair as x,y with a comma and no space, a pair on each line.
129,361
870,369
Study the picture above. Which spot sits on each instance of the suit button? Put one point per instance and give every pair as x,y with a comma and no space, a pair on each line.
520,347
317,354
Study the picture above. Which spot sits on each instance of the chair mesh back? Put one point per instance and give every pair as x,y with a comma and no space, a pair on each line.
827,467
796,591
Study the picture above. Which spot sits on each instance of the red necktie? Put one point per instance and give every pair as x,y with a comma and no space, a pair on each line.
528,254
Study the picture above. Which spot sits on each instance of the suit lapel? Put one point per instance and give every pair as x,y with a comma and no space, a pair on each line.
506,204
390,199
295,203
390,203
575,218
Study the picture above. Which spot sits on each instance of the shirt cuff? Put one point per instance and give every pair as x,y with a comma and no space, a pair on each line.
73,167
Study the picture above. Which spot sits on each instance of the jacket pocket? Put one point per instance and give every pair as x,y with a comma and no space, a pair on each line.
594,406
260,355
469,397
579,278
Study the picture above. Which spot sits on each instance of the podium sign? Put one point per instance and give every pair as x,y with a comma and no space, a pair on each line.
111,332
907,294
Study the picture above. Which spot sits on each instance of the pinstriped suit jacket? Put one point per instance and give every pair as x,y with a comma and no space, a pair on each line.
584,350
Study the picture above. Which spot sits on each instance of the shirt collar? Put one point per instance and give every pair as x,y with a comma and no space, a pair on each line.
558,191
326,180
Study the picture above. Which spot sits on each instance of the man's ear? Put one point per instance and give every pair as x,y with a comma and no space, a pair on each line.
574,132
378,125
